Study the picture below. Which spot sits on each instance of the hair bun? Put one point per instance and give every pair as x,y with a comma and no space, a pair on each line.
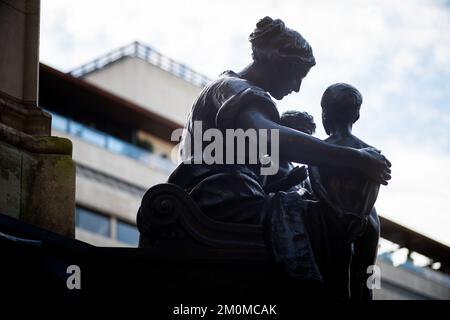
266,26
264,22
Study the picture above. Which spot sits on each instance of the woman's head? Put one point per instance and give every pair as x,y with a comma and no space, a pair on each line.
284,54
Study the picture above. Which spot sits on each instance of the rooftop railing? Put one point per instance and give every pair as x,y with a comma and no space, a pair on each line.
146,53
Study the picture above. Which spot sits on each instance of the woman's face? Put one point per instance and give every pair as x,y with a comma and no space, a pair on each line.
286,77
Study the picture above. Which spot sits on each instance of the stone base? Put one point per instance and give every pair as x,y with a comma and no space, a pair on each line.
26,118
37,180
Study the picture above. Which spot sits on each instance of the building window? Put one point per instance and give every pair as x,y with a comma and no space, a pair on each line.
127,233
92,221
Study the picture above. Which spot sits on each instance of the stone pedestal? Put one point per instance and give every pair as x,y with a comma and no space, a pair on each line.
37,180
37,174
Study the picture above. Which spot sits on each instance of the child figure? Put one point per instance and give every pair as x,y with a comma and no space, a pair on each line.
346,196
289,176
347,191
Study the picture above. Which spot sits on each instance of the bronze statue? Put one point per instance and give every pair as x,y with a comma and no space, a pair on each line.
234,192
346,201
290,177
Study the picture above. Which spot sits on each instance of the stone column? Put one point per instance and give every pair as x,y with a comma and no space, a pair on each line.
37,174
19,65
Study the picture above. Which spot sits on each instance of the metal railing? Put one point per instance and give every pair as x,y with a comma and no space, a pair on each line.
146,53
111,143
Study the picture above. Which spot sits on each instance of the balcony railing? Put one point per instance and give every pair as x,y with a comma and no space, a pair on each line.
148,54
110,143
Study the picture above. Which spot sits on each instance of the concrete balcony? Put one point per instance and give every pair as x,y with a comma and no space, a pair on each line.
114,164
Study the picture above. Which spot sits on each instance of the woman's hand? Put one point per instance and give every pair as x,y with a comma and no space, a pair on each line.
298,147
375,165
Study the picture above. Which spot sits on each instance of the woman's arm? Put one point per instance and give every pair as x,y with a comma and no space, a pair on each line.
296,146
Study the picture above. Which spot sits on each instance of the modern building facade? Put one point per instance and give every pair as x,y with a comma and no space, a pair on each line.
119,112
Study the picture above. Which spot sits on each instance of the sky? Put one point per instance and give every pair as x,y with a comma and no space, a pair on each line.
395,52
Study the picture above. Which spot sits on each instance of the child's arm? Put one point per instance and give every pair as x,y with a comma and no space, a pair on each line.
294,177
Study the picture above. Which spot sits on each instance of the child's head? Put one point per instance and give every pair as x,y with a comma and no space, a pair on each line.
300,121
340,106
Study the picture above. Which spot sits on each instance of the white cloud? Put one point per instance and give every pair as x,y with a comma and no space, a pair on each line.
419,193
395,52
